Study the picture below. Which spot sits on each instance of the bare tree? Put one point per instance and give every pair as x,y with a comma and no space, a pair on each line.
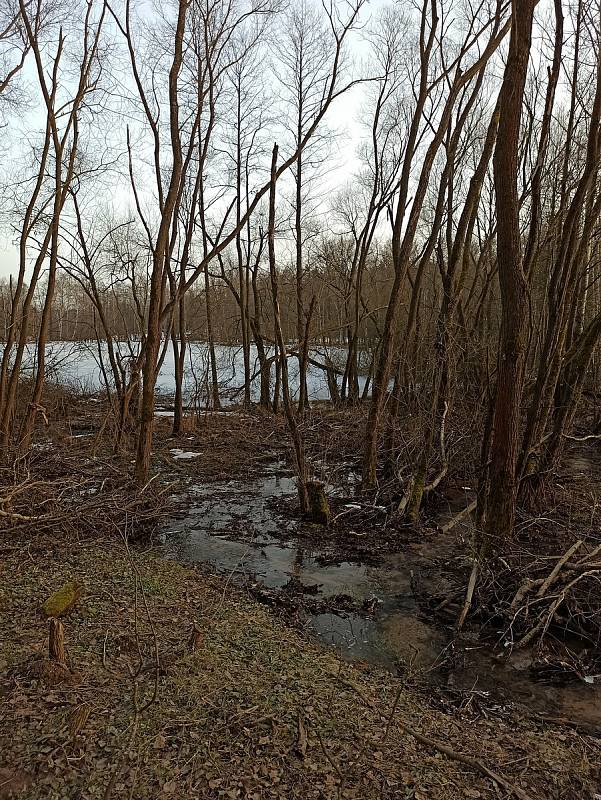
502,488
482,39
334,88
48,196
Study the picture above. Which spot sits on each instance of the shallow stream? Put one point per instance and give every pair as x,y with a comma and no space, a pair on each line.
235,528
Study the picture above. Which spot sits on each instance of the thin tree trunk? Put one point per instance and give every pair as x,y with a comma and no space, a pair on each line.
295,434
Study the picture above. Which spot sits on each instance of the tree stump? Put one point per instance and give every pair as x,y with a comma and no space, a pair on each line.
56,642
196,639
78,718
318,503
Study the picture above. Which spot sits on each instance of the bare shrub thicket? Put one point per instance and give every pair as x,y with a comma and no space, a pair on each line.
448,277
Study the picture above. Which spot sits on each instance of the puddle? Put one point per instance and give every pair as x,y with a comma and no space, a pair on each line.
234,528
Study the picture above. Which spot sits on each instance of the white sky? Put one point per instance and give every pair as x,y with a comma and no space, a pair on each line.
342,119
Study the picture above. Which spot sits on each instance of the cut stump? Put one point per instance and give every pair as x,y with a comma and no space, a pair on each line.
318,503
56,642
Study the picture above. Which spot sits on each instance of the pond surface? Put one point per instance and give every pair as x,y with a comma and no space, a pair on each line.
78,364
235,528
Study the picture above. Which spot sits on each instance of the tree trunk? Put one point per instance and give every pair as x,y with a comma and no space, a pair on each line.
154,327
56,642
502,487
295,434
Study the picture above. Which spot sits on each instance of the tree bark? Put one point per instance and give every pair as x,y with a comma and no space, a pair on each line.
56,642
502,487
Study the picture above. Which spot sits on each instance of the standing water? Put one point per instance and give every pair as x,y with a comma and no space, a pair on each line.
235,528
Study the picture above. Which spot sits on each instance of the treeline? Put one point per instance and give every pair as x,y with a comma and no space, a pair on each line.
74,315
460,261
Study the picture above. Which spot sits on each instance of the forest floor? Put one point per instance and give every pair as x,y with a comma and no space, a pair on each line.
180,684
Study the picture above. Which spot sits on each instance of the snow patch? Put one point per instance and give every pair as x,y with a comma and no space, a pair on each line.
184,455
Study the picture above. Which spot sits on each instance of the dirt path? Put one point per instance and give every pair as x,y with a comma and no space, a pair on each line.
181,686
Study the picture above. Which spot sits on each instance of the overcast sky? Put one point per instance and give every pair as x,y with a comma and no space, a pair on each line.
342,119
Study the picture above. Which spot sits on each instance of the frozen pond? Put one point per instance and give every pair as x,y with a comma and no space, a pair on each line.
79,364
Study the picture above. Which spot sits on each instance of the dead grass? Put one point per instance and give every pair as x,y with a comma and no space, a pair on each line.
244,707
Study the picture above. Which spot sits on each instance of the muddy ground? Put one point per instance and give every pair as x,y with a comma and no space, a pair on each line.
183,683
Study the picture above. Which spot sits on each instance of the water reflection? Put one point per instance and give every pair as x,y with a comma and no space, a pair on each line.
234,528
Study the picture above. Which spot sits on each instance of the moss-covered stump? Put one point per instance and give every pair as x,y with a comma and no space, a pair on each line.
63,600
318,503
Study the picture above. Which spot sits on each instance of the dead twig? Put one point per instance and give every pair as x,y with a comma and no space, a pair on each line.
555,571
458,517
474,763
469,594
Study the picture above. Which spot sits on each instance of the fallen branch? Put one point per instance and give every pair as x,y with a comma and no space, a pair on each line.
590,555
474,763
555,571
469,595
544,622
526,587
458,517
20,517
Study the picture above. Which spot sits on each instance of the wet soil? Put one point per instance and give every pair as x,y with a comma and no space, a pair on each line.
378,608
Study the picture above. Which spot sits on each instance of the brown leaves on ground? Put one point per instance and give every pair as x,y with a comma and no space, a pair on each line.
239,708
12,782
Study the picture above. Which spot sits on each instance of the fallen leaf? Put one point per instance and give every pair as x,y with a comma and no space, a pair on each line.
159,742
12,782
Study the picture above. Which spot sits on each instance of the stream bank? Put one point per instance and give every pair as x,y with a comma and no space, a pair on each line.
179,685
367,610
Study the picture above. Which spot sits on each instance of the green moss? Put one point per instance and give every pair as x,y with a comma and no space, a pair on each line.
152,585
415,500
63,599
